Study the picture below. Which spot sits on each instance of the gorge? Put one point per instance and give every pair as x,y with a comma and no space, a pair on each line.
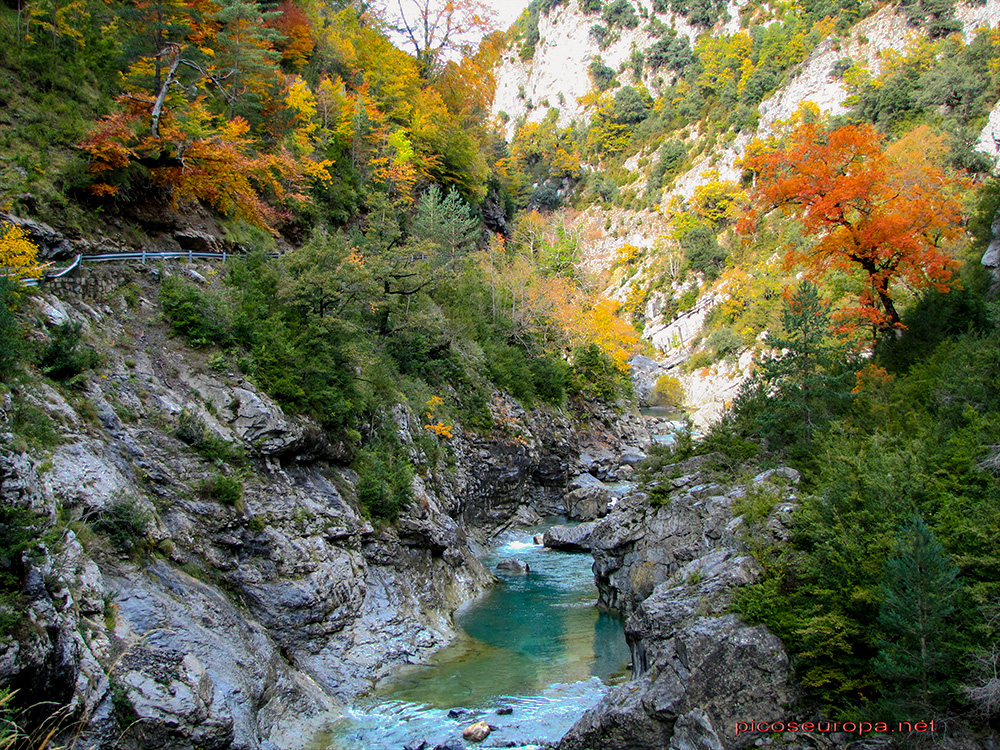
626,379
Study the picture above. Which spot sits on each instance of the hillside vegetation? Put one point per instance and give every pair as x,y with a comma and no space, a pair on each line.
843,252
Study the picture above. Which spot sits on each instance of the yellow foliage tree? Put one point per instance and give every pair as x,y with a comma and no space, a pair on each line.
18,254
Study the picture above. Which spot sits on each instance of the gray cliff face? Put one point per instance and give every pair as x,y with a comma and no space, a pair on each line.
672,569
215,624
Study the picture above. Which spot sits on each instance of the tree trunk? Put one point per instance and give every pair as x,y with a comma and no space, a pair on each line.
161,97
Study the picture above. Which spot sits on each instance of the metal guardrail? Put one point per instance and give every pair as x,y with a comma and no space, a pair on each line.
142,256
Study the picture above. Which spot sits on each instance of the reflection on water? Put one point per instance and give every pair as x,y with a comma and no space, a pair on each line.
663,412
535,643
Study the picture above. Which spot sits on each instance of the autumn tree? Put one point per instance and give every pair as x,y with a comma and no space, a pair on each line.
18,254
433,29
885,213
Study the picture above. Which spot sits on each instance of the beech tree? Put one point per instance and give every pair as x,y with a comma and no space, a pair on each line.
885,213
434,28
18,254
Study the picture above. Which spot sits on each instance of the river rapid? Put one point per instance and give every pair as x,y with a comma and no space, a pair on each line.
534,644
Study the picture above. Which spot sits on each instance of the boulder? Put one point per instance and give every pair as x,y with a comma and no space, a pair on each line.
587,503
631,458
476,732
52,244
569,538
515,566
695,677
645,372
199,242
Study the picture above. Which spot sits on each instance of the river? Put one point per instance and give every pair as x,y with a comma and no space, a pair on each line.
534,644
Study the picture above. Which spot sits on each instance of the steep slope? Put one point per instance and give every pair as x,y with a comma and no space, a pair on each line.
626,217
208,579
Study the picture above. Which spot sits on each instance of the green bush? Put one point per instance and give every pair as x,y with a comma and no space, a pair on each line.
384,481
697,361
20,529
33,425
550,378
12,339
191,430
126,523
65,358
595,377
723,342
602,76
620,13
225,489
756,503
201,318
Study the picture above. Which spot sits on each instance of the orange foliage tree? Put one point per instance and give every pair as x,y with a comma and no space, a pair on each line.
884,212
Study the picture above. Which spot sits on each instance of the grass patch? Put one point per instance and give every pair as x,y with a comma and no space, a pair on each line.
191,430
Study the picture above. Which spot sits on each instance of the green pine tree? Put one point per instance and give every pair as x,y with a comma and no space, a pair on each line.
919,595
446,222
798,390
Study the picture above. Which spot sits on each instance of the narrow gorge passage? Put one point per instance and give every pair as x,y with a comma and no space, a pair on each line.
534,643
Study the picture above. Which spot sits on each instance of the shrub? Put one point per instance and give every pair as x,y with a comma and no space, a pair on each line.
224,489
667,391
384,481
620,13
33,425
202,319
756,504
64,358
19,531
126,523
602,76
723,342
698,360
595,377
191,430
550,377
12,340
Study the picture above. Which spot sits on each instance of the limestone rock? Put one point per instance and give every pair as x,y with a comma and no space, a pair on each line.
697,670
569,538
476,732
587,503
515,566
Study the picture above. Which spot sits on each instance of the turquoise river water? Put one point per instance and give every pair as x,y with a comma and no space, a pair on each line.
535,644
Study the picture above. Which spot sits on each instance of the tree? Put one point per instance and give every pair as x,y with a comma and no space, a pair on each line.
446,221
437,28
884,213
18,254
919,594
244,66
803,384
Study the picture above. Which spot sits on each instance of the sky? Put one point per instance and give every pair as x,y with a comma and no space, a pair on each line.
508,11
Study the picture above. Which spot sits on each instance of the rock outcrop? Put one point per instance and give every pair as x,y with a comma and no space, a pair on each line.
672,568
168,613
569,538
